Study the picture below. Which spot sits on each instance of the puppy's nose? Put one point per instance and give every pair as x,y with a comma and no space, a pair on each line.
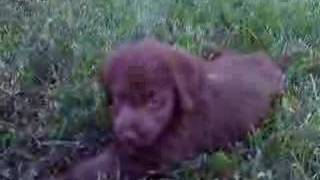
127,136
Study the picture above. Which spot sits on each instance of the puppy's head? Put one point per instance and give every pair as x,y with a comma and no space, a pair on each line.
151,84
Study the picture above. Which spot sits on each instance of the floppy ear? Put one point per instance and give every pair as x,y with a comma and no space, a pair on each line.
186,73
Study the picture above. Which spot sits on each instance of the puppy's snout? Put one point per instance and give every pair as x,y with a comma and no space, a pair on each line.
124,126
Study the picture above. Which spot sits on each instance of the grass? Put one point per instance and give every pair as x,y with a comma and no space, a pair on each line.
51,108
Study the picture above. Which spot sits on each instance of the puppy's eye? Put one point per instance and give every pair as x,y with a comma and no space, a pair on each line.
150,94
153,100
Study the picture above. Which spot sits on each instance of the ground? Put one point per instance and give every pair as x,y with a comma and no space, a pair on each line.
52,108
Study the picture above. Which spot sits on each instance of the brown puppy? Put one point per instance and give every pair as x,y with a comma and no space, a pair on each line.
169,106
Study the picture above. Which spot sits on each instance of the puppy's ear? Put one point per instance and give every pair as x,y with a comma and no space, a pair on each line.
186,74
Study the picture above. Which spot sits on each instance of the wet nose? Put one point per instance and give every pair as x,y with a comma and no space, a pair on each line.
127,136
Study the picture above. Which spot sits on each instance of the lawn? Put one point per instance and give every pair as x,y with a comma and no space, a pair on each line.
52,108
